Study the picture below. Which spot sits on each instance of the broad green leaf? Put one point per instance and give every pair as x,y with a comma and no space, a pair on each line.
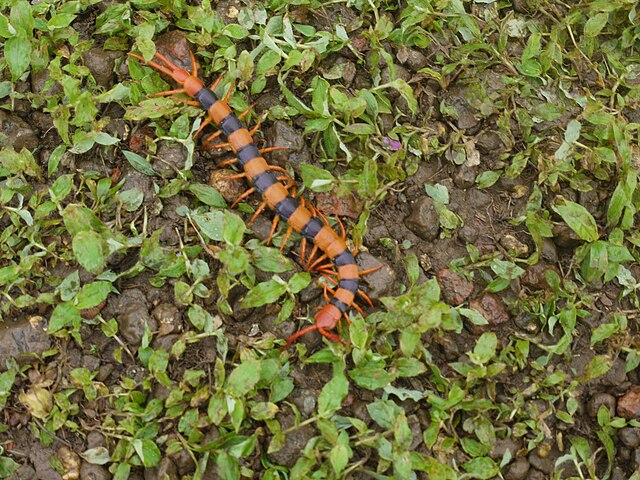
264,293
332,395
147,451
578,219
93,294
208,195
141,164
88,247
244,377
595,24
64,315
17,52
96,456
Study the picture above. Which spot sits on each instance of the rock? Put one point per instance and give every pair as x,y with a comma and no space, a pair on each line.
38,80
412,58
535,275
174,44
423,219
380,282
619,474
543,457
534,474
513,246
168,317
88,471
601,399
629,404
40,458
330,203
16,133
549,251
23,339
132,313
170,158
489,142
229,189
518,469
527,323
25,472
101,63
468,234
630,436
455,288
465,176
564,237
281,134
501,446
466,114
183,462
166,470
294,443
491,308
95,439
165,342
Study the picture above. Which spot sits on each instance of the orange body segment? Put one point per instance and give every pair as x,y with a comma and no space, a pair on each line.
325,237
240,138
192,85
255,166
299,218
335,248
348,271
219,111
345,296
275,194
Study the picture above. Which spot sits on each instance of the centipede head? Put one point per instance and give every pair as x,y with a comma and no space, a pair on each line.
326,319
189,80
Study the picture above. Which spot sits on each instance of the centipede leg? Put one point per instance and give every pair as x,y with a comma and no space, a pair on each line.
329,276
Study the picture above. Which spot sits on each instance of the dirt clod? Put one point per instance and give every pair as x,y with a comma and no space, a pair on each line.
629,404
455,288
491,308
423,219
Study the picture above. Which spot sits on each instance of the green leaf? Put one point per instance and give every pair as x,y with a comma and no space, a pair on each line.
371,378
488,178
482,468
298,282
264,293
89,250
141,164
485,348
578,219
233,228
8,467
384,413
317,179
208,195
147,451
271,260
595,24
96,456
64,315
17,52
332,395
244,377
93,294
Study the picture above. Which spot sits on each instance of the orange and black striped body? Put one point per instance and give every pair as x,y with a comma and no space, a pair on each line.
277,198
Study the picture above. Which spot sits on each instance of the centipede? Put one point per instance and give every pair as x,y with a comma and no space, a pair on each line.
310,224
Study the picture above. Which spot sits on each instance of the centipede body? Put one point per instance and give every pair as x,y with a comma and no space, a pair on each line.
276,196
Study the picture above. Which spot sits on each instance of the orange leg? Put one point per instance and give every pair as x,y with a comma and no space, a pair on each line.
263,150
329,275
